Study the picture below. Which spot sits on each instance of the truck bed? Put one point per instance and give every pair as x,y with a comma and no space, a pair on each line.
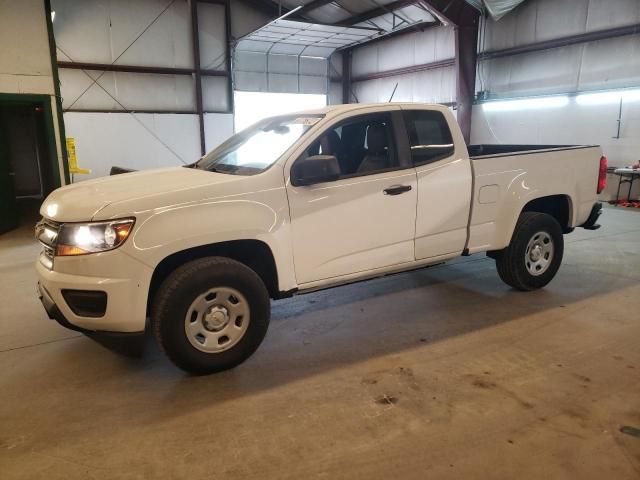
492,150
507,177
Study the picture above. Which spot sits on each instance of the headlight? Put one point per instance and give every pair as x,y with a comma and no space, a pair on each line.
83,238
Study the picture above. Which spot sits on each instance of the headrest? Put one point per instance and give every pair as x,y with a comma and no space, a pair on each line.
376,138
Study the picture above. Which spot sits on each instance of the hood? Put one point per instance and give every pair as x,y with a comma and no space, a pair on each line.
84,201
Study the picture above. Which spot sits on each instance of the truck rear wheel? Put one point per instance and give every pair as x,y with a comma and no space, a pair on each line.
534,255
210,314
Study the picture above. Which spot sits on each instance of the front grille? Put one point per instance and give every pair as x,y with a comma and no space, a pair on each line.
46,233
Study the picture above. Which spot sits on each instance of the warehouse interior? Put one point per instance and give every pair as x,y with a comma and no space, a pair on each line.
437,373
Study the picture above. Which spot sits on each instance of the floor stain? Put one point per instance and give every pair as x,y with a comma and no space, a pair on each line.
386,400
480,383
633,431
485,384
582,378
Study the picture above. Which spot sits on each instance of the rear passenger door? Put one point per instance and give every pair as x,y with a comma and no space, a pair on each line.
365,219
444,184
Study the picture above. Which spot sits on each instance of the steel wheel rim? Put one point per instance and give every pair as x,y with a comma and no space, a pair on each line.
539,253
217,320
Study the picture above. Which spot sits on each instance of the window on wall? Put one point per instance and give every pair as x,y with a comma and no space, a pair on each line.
251,107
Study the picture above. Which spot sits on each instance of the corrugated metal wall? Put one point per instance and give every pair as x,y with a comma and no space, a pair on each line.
596,65
99,31
418,48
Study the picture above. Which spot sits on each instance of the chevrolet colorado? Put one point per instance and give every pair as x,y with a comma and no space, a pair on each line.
297,203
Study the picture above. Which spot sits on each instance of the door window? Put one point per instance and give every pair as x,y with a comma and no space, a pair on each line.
363,145
429,136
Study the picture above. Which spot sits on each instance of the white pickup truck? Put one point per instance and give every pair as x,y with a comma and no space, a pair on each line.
298,203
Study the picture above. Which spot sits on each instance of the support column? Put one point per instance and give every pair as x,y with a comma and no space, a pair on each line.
229,37
466,38
346,76
195,39
464,19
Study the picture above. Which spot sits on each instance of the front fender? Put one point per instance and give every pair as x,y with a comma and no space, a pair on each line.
260,216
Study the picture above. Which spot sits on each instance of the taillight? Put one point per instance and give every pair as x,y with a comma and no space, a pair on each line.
602,174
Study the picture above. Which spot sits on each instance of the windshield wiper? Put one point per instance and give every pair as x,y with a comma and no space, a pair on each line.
220,170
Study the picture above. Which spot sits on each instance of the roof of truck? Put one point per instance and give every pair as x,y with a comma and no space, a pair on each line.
336,109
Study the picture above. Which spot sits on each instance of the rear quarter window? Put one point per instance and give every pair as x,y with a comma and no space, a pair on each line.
429,136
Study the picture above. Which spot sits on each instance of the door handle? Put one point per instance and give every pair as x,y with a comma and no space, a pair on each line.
396,189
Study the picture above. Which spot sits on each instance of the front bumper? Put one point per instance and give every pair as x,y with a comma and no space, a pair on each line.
126,309
54,312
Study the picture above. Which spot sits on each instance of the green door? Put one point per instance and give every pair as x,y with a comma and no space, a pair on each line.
8,207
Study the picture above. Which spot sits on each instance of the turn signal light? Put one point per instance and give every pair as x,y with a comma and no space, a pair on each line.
68,250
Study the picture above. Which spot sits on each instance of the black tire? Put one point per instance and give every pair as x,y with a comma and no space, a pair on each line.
511,262
186,284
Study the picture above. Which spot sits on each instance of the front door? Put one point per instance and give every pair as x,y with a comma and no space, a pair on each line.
365,219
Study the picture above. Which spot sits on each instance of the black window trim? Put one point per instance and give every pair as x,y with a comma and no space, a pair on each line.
400,139
406,129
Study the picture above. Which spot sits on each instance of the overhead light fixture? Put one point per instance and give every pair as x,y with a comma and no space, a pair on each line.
525,104
53,15
613,96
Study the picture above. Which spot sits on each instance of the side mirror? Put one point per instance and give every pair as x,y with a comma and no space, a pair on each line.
315,169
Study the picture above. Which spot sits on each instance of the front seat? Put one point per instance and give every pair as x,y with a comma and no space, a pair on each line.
377,157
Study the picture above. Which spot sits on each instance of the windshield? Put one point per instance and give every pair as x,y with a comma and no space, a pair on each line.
258,147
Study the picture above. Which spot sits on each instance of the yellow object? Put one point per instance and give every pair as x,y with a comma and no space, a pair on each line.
73,159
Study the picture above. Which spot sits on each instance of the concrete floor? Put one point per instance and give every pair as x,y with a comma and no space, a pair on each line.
440,373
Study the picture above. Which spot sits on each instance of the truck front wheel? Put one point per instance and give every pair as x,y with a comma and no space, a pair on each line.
534,255
210,314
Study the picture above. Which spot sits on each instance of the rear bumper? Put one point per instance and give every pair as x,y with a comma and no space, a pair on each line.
591,224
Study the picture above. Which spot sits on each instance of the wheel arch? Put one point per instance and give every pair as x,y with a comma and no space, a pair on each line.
255,254
558,206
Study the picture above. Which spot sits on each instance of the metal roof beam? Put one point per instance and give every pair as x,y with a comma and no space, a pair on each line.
449,62
562,42
378,12
272,8
312,5
109,67
455,12
397,33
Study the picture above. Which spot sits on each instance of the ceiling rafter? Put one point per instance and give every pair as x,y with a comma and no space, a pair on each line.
379,11
273,8
400,28
455,12
403,31
312,5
